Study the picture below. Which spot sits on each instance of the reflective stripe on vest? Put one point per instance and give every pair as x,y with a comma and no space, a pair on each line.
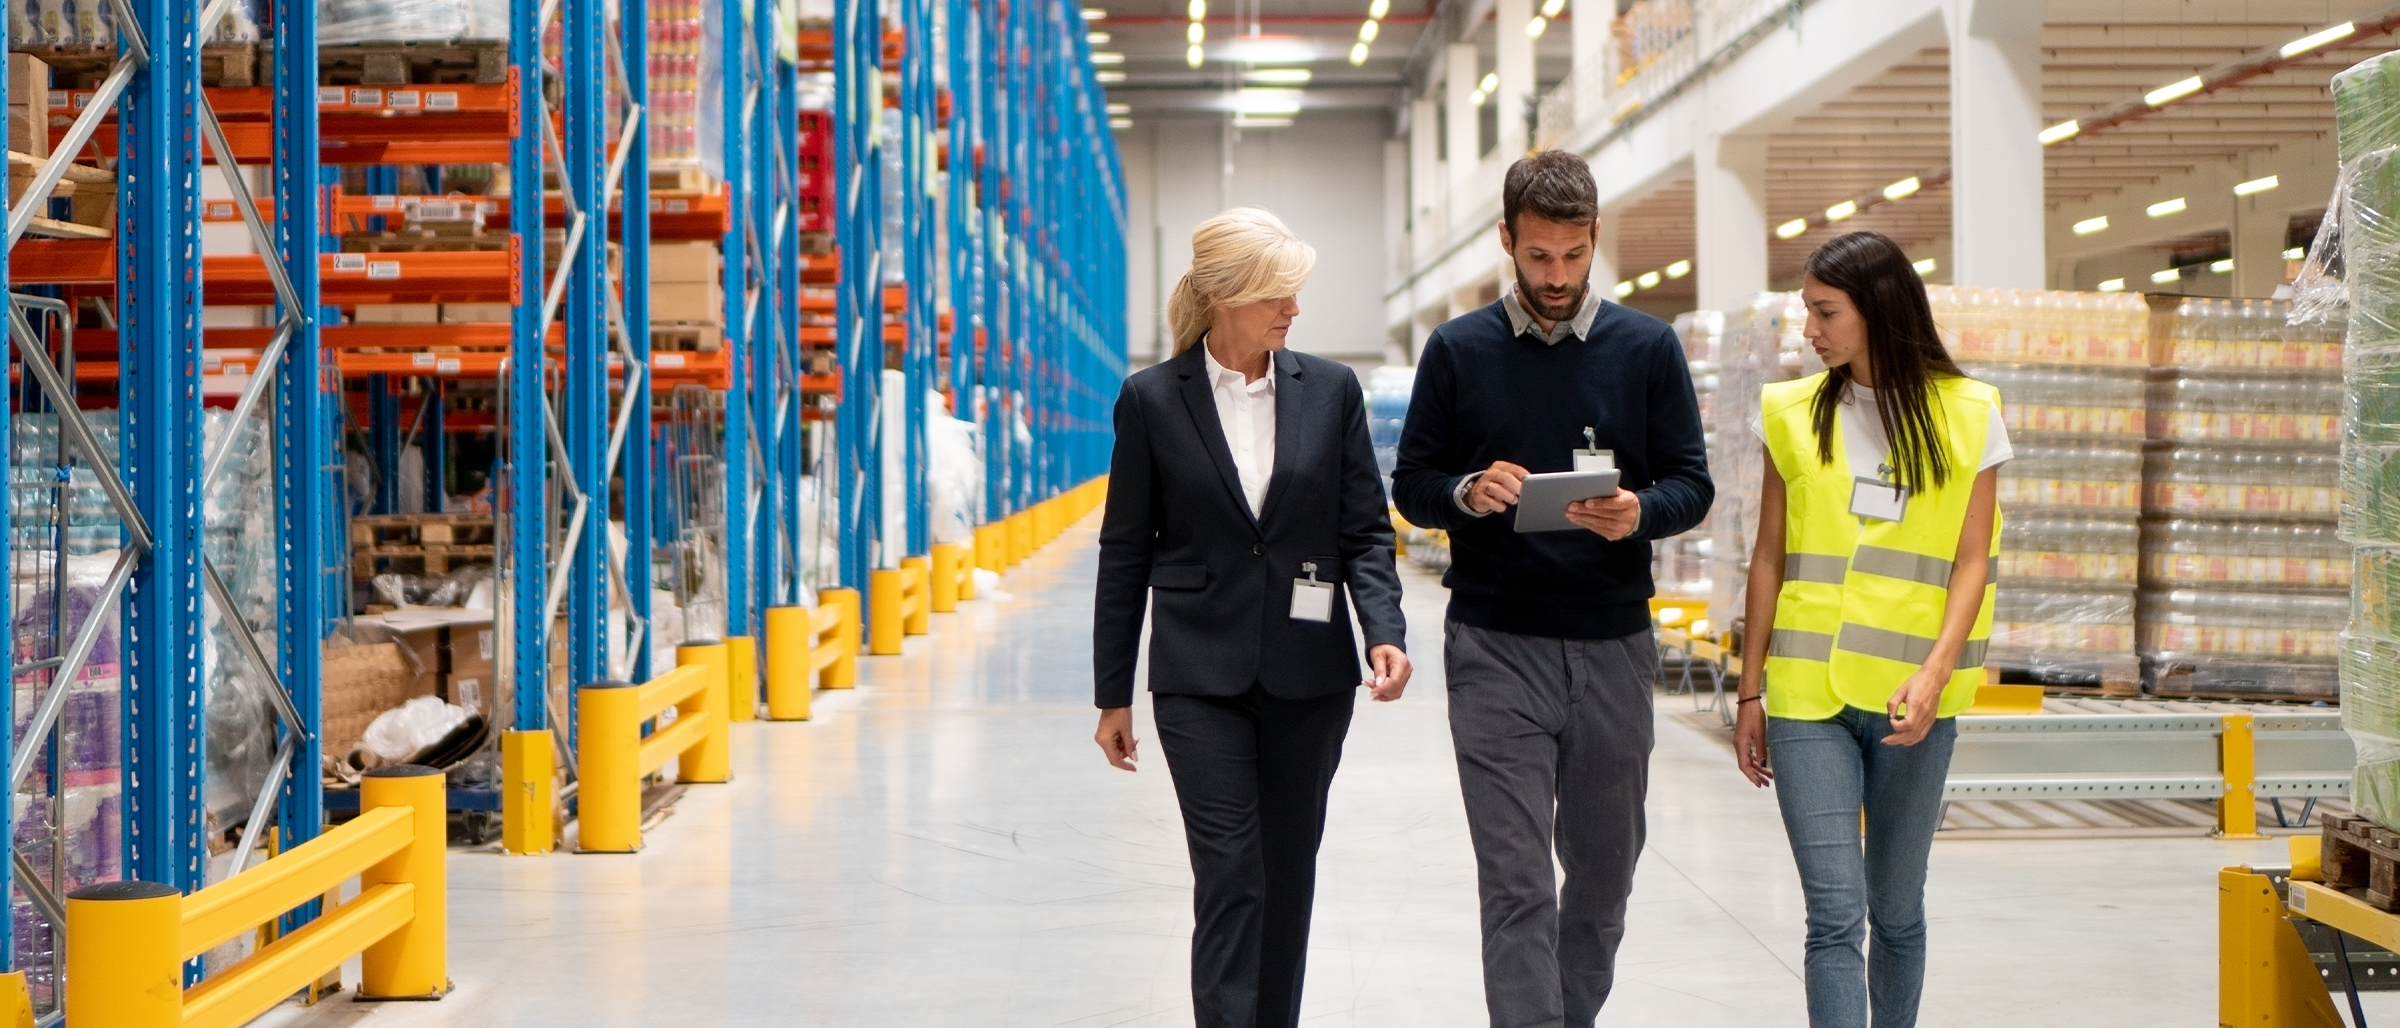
1862,601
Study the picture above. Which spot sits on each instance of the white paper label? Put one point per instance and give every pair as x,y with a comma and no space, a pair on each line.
667,360
468,693
407,99
420,360
383,269
441,101
483,644
446,366
58,100
1312,601
331,96
220,211
1878,500
349,262
366,98
1595,460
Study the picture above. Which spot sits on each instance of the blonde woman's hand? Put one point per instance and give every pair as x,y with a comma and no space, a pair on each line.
1116,737
1750,743
1914,706
1392,671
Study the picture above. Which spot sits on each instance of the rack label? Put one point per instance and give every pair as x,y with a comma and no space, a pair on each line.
420,360
407,99
446,366
219,210
234,368
83,100
366,98
332,96
384,203
349,262
383,269
667,360
679,206
443,101
58,100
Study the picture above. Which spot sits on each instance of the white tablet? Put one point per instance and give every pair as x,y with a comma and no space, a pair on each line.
1542,503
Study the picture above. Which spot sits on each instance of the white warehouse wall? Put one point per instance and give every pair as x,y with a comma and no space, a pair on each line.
1323,175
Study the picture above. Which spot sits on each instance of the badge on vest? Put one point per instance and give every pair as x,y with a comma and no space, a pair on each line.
1878,500
1312,600
1592,457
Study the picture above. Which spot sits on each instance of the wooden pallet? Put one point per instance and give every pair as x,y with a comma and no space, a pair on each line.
433,561
411,63
416,530
683,337
230,65
2359,855
423,242
679,178
816,244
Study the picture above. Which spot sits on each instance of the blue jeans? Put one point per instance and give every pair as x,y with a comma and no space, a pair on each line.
1826,772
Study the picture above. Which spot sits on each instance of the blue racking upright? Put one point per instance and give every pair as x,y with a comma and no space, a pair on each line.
919,109
858,311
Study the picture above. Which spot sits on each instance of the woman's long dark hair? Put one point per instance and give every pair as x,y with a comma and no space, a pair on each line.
1903,348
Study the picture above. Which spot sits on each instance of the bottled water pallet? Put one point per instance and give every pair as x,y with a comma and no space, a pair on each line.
2233,679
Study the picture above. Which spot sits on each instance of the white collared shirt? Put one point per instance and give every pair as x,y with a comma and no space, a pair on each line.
1246,410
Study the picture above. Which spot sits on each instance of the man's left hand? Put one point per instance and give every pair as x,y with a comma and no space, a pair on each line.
1613,517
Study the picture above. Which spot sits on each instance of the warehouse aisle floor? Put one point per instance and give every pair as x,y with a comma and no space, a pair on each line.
944,846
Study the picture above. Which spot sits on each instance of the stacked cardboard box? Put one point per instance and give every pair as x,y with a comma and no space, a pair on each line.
687,296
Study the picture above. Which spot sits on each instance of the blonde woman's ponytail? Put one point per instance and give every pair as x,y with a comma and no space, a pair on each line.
1239,257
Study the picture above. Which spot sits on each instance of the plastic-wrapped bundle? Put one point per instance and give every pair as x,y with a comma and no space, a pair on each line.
2246,336
2222,481
378,21
2201,553
2370,233
2252,644
1761,344
2008,326
2258,409
2083,402
2370,669
2366,106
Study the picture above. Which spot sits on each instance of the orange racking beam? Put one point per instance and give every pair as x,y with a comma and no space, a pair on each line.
241,279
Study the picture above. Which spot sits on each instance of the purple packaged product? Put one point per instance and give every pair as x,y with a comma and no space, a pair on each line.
88,729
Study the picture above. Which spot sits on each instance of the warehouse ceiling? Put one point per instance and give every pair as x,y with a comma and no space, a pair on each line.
1897,126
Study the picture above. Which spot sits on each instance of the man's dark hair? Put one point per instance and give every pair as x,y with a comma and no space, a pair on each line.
1554,184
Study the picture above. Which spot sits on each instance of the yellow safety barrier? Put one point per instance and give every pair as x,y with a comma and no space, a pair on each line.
2264,974
947,571
835,655
1020,537
127,941
528,792
2237,806
741,678
966,572
802,642
916,595
991,546
613,756
887,622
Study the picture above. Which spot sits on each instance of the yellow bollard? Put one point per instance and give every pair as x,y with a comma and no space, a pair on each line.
2237,806
741,677
608,755
123,968
413,962
843,672
1020,538
991,546
885,625
528,792
966,570
944,596
916,604
788,643
710,759
16,1002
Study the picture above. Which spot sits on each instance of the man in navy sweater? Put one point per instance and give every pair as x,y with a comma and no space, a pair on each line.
1549,652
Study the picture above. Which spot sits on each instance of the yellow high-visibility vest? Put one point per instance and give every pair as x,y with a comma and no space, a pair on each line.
1862,599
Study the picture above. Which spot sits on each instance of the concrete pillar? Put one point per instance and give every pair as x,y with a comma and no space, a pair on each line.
1459,85
2259,228
1590,20
1424,160
1514,60
1730,192
1604,256
1997,219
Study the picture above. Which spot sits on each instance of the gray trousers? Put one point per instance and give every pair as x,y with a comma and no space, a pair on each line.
1553,739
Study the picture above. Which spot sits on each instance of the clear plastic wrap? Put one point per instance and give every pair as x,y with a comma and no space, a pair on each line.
2370,233
2010,326
2218,480
1760,344
953,473
380,21
2366,106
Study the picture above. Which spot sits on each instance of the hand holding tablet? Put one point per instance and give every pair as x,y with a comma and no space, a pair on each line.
1542,500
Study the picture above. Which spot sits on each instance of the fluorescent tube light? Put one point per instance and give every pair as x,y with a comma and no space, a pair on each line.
1903,189
1110,76
2318,38
1490,83
1192,56
1368,29
1841,211
2169,275
1277,77
1195,33
2221,267
1116,109
1250,121
2114,285
2090,225
2256,185
2064,130
1378,9
1552,8
1679,269
1120,123
2172,92
1096,38
1924,267
1267,101
1535,28
2166,207
1197,10
1791,228
1358,53
1106,57
1094,14
1624,289
1648,280
2297,253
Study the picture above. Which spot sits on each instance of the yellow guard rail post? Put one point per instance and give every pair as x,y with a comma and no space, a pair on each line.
613,756
741,676
127,941
947,570
887,621
916,595
802,642
2237,806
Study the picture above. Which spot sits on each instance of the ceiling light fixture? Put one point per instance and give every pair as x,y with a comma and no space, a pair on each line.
1241,121
2090,225
1192,56
2114,285
1648,280
1925,267
1110,76
1841,211
1358,53
2319,38
2060,132
2256,185
1478,97
1367,30
1679,269
1266,101
1197,10
1378,9
1094,14
1277,77
1115,109
1552,8
1120,123
1903,189
2169,275
2172,92
2297,253
1624,289
1106,57
1195,32
2221,267
2166,207
1096,38
1535,28
1791,228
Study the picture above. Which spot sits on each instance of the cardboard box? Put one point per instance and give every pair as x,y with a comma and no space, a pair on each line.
397,314
688,301
29,129
361,681
691,262
29,82
472,313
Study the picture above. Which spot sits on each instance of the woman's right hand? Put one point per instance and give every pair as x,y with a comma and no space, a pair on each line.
1750,743
1116,737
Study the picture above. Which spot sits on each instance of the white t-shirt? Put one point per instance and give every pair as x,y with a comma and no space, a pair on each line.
1862,433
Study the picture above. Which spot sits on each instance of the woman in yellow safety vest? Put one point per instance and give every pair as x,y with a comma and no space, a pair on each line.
1876,529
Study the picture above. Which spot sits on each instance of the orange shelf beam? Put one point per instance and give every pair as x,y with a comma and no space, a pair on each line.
241,279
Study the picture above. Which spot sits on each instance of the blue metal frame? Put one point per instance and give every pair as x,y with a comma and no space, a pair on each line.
774,400
919,105
858,314
634,292
583,412
524,507
744,63
310,568
158,317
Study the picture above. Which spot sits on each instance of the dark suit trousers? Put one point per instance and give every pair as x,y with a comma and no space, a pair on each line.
1251,773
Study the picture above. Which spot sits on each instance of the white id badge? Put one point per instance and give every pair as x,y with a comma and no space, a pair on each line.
1312,600
1592,457
1878,499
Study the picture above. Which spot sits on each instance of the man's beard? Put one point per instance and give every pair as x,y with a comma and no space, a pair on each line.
1563,310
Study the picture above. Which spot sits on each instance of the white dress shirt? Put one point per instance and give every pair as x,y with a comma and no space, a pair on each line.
1246,410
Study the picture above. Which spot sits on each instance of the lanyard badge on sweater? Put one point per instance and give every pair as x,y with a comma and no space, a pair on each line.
1592,457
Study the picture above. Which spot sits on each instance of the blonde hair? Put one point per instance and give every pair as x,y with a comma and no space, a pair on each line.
1241,256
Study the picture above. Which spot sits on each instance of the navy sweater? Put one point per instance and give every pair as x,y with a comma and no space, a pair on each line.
1483,395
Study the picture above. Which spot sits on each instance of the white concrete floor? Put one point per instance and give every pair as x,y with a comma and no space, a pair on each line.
944,846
